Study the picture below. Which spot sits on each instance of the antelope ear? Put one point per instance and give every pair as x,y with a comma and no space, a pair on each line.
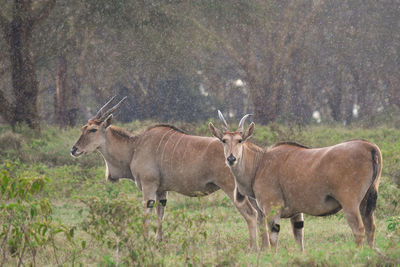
215,131
107,122
249,131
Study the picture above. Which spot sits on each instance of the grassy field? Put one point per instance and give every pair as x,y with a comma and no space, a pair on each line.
90,222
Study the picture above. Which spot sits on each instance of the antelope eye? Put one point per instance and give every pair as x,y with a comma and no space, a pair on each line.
92,130
240,141
223,141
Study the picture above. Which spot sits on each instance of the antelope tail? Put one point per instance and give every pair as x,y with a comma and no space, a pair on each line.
376,164
372,194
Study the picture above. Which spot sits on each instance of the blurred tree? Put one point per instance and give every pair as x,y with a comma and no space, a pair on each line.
17,29
292,58
356,48
131,45
260,38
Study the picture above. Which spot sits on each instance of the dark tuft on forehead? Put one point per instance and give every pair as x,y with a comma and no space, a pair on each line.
94,121
231,133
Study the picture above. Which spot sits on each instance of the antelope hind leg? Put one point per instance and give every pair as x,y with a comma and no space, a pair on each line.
354,219
369,228
367,209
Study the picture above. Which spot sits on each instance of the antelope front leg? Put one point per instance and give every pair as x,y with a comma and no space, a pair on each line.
261,224
297,222
149,197
275,228
161,203
149,204
249,213
273,221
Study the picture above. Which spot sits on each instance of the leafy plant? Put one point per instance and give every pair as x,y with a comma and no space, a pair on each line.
393,229
26,222
118,225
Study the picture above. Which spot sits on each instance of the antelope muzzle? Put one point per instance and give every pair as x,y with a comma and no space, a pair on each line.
231,159
74,152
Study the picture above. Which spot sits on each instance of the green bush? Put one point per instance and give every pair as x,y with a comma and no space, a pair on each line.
388,199
26,223
117,223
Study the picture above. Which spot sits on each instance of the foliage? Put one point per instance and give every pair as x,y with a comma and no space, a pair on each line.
117,224
393,229
106,218
292,58
27,225
393,224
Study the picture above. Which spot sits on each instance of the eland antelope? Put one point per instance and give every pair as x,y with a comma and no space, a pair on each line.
288,179
164,158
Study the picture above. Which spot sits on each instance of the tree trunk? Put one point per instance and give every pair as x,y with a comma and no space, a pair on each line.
24,81
265,106
264,97
299,101
18,35
73,102
335,101
61,88
66,97
393,83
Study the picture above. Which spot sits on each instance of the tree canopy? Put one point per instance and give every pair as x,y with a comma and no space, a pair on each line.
182,60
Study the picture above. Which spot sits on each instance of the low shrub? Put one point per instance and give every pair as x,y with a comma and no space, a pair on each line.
26,223
388,199
117,224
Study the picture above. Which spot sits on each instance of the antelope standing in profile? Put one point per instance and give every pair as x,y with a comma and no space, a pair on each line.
163,158
289,179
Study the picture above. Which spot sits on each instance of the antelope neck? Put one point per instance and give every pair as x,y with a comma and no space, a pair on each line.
117,152
246,169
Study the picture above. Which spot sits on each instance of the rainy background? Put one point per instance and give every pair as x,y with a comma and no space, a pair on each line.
318,72
301,61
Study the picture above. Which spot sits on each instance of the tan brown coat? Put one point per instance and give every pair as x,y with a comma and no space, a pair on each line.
288,179
163,158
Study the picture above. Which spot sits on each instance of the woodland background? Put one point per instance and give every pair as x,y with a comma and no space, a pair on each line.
181,60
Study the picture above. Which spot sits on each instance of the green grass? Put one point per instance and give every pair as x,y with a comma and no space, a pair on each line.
328,240
206,231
